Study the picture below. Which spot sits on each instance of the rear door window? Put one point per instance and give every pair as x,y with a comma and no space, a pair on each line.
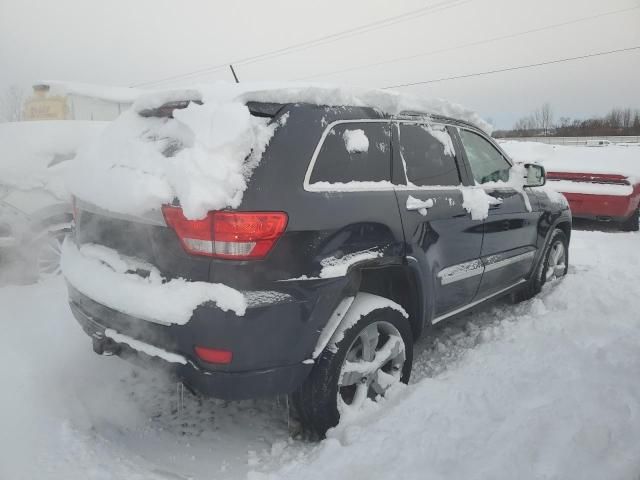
487,163
359,152
428,155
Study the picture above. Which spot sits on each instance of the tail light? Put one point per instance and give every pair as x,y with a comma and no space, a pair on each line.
231,235
214,355
605,178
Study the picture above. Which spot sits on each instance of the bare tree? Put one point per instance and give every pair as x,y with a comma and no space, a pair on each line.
544,117
618,121
636,123
526,125
11,104
627,117
614,118
564,122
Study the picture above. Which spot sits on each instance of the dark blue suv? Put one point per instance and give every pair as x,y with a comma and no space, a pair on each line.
357,231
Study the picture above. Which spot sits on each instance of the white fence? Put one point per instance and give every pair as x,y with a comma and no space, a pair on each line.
574,140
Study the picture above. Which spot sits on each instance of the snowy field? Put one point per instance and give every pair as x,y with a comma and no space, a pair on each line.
546,389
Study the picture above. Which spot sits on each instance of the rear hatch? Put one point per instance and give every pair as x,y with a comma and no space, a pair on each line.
150,239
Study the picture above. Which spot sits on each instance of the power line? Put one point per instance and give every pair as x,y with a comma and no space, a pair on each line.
470,44
387,22
509,69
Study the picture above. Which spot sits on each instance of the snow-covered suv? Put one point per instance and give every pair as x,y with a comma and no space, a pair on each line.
298,241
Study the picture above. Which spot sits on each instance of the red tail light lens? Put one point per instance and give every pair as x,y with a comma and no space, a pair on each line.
606,178
212,355
232,235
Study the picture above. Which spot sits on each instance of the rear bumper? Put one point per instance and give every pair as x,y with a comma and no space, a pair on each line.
271,344
609,207
225,385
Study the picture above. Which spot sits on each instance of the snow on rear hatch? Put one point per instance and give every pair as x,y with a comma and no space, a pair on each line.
202,155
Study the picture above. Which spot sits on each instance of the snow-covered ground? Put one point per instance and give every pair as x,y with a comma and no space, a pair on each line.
545,389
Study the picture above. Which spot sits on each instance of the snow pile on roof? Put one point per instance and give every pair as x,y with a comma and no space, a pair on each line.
560,158
214,146
30,151
387,101
126,95
105,276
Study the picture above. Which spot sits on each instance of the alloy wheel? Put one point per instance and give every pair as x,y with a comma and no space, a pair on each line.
557,262
373,364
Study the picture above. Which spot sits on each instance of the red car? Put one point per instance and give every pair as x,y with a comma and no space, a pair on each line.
600,196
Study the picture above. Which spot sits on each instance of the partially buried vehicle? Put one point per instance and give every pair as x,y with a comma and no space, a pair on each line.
298,241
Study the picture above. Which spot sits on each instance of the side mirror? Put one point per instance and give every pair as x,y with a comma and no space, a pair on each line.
536,176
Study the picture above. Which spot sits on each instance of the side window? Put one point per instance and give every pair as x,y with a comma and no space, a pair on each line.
487,163
428,155
358,152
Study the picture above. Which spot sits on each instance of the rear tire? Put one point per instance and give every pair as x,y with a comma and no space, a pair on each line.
332,387
554,265
632,224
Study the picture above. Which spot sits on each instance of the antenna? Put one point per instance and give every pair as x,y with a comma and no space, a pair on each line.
234,73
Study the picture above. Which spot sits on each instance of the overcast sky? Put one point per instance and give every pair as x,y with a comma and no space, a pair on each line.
124,42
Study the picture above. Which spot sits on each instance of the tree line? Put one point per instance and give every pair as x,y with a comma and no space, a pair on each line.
541,122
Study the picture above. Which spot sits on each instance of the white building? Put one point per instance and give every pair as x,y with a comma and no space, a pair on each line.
53,100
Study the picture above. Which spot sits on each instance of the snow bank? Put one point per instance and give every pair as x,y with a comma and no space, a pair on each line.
105,276
545,389
206,154
30,151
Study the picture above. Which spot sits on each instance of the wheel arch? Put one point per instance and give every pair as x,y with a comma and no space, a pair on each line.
400,284
564,225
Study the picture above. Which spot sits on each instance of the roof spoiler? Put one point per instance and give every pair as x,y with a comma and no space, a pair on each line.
258,109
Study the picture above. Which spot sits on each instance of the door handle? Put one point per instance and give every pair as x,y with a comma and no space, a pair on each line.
417,204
